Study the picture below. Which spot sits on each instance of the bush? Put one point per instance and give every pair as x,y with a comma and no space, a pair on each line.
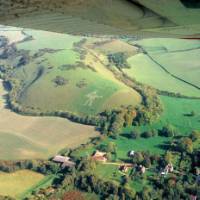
195,135
168,131
147,134
135,134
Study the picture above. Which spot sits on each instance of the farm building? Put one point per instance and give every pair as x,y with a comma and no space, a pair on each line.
131,153
168,168
123,168
64,161
99,156
142,169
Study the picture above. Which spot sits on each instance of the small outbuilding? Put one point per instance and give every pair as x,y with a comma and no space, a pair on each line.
99,156
123,168
142,169
65,161
131,153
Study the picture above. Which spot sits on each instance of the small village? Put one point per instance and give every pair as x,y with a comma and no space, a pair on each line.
100,157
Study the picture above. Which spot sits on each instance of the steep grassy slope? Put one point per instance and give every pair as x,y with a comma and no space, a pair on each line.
58,76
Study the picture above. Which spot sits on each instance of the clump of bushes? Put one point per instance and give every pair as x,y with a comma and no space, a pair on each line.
168,131
59,81
118,59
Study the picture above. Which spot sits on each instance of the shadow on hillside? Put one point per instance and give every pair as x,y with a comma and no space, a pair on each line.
126,135
164,146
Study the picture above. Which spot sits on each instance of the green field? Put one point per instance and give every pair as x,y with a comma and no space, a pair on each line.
90,87
18,183
179,74
88,90
84,72
27,137
177,113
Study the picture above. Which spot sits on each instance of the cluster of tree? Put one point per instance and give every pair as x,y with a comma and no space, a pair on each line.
135,134
41,166
23,60
177,95
78,47
88,182
145,159
8,51
174,187
151,106
113,121
3,41
59,81
168,131
78,64
119,59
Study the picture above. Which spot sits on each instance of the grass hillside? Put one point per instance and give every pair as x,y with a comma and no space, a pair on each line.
26,137
58,76
168,64
56,72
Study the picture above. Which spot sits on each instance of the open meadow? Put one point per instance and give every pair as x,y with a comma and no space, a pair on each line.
16,183
177,113
179,74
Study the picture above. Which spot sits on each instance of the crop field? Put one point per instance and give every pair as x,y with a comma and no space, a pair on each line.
17,183
179,74
26,137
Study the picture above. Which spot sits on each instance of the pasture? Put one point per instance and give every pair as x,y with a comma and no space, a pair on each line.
177,113
179,74
183,54
16,183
